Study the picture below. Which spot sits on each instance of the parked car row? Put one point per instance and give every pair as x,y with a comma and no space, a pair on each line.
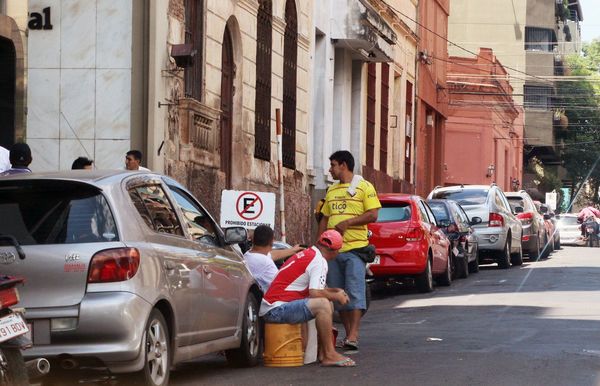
457,228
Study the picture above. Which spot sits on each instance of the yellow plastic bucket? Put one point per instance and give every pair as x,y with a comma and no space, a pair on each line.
283,345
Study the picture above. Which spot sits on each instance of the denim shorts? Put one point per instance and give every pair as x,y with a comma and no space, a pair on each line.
296,311
348,271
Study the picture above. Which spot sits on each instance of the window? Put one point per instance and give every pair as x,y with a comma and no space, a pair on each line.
194,30
290,55
155,209
384,106
49,212
262,103
537,97
199,224
408,131
539,39
439,211
371,79
395,212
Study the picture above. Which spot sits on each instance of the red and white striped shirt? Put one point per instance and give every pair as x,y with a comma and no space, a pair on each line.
304,271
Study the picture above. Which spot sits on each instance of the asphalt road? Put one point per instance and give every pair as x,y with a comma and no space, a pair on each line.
537,324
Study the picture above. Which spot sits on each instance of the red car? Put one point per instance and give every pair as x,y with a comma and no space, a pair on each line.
409,242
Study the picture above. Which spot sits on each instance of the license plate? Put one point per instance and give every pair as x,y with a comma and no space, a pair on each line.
12,326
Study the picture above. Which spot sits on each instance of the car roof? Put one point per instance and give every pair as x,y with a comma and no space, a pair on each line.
396,197
94,177
464,187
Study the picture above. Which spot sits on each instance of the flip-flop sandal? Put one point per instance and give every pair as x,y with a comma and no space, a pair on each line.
350,344
343,363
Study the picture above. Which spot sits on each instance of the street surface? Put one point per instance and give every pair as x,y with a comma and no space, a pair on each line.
537,324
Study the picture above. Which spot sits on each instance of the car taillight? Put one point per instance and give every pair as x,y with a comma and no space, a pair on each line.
9,297
496,220
463,239
112,265
414,234
525,217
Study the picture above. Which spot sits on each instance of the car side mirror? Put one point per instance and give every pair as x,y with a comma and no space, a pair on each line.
543,209
475,220
443,223
547,216
519,209
235,235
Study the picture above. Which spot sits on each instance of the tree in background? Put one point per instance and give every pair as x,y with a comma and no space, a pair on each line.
580,99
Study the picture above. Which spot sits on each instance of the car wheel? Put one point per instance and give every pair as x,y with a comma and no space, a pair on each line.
462,265
557,244
504,257
249,352
474,265
425,280
157,346
517,258
546,248
12,368
445,278
534,255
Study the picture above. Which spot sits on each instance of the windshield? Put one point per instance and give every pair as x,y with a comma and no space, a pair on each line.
55,212
394,212
464,197
439,211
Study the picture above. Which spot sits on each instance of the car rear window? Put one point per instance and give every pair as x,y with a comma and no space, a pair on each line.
394,212
464,197
517,201
439,211
55,212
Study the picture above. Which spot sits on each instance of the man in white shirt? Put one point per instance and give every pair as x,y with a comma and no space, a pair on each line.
133,161
298,294
261,258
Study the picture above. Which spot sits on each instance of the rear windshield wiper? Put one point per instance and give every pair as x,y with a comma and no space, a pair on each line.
13,241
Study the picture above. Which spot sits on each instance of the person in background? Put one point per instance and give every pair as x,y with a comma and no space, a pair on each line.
20,158
4,159
350,205
133,160
261,258
298,294
82,163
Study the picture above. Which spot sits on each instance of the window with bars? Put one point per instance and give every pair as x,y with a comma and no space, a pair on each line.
194,30
539,39
371,97
262,103
538,97
408,131
290,56
384,111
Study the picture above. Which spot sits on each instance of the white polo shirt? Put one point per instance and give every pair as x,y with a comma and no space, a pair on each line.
262,267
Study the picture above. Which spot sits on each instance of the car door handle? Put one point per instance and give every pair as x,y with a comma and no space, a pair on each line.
169,265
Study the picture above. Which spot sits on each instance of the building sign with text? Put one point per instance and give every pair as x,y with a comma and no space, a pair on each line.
247,209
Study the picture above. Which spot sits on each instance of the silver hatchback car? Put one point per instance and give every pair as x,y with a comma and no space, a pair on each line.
499,233
126,271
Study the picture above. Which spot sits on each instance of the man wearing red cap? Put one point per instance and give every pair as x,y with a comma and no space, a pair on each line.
298,294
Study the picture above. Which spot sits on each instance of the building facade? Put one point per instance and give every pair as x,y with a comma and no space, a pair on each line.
432,96
482,145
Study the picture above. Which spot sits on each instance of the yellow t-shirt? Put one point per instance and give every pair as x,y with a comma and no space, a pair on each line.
340,206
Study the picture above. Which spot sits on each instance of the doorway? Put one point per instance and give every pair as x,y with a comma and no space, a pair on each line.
8,77
227,77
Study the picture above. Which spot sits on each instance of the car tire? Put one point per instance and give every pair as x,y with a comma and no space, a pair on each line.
545,248
462,266
557,244
474,265
504,256
157,352
517,258
424,281
534,255
12,367
445,278
250,350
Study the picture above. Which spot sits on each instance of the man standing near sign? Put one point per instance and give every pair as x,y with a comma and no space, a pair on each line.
349,206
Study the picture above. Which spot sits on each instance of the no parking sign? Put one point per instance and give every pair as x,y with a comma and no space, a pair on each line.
247,209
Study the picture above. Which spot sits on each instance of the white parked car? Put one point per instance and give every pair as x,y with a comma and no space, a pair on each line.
570,229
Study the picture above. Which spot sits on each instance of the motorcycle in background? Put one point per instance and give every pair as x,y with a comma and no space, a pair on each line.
591,231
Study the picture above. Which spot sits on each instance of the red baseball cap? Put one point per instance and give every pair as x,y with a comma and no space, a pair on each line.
332,239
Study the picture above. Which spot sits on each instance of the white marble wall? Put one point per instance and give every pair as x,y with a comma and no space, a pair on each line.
79,84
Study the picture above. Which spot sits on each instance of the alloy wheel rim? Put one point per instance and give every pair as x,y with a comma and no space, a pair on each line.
429,275
252,330
157,352
4,380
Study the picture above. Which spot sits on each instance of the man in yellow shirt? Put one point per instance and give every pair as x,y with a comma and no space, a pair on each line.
349,206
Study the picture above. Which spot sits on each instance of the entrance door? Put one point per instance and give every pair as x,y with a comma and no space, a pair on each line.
227,75
8,77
